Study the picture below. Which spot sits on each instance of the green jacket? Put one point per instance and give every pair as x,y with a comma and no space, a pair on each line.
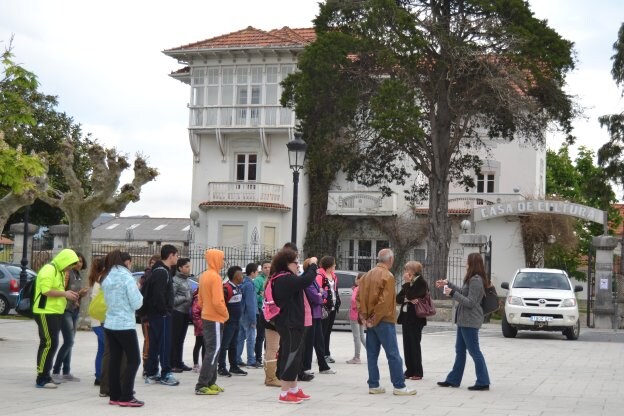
259,284
52,277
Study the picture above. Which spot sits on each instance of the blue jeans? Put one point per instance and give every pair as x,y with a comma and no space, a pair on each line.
468,339
229,344
384,335
99,332
247,335
159,345
68,329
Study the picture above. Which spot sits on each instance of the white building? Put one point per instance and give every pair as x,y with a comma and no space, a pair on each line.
242,183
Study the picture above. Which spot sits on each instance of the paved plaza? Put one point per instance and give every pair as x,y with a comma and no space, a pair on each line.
534,374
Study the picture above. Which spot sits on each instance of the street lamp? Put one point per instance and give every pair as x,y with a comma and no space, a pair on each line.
296,157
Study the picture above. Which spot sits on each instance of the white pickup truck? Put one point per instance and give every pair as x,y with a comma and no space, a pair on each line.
541,300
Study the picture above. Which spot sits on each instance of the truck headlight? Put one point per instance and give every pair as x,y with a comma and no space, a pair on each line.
515,300
568,303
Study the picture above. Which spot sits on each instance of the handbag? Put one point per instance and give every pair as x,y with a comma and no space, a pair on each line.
489,303
324,312
425,307
97,307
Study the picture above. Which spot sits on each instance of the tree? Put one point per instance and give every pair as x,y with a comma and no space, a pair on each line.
31,121
21,174
411,87
582,182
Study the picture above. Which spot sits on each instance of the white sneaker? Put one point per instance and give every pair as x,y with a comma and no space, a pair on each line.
57,378
404,392
70,377
376,390
328,371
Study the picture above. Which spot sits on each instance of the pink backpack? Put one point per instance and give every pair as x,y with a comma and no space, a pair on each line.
269,308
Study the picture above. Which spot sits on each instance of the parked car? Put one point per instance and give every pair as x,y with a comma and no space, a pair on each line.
345,290
10,284
541,300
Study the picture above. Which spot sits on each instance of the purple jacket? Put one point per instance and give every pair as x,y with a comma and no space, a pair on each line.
316,301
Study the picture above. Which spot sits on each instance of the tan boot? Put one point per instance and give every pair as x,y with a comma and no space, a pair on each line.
269,374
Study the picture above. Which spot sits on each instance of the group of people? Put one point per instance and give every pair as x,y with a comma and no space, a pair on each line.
228,317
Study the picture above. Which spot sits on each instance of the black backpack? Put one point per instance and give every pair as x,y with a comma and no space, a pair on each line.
25,302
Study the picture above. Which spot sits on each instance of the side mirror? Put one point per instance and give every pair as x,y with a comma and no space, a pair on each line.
505,285
578,288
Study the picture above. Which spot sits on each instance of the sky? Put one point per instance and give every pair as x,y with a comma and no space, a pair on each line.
104,61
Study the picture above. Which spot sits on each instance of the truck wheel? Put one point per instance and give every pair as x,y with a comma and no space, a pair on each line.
573,332
508,330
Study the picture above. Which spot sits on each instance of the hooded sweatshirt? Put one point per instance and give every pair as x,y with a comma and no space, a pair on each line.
210,295
52,277
159,291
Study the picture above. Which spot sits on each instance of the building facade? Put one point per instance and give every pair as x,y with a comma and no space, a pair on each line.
242,184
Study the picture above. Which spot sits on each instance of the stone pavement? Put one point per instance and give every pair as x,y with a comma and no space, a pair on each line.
534,374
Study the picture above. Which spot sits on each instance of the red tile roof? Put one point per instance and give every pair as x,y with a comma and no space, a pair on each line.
227,204
253,38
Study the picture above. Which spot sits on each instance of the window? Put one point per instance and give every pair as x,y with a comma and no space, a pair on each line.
232,235
485,183
246,166
269,237
362,254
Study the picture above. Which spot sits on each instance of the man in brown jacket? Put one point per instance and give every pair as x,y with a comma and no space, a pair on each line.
376,305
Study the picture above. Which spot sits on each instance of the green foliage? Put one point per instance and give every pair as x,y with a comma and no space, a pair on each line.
16,168
580,181
31,121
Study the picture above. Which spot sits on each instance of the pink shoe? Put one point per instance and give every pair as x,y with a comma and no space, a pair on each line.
354,360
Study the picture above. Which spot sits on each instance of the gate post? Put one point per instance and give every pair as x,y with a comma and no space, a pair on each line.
604,310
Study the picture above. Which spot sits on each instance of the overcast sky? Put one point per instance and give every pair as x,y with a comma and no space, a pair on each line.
104,61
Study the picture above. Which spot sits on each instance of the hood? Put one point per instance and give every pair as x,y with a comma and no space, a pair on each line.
215,259
65,258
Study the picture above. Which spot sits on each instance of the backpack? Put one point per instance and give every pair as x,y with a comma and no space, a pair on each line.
25,302
489,303
270,309
228,292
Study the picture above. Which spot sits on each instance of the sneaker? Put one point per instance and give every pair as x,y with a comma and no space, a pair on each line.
254,366
376,390
238,371
305,377
223,372
216,388
46,385
132,403
57,378
185,367
205,391
289,398
404,392
328,371
196,368
300,394
104,394
354,360
329,359
169,380
176,370
113,402
70,377
309,372
152,380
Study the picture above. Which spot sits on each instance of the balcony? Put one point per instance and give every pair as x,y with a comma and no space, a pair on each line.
361,203
245,194
462,202
241,116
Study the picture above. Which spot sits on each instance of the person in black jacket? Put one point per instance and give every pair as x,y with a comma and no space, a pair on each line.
158,300
413,290
288,294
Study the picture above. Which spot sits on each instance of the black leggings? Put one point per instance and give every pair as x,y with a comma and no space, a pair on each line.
199,345
123,342
291,348
328,324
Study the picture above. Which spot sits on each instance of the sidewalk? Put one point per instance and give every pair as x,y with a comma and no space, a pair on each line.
534,374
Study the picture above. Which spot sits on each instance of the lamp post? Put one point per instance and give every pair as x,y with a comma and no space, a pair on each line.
296,157
24,262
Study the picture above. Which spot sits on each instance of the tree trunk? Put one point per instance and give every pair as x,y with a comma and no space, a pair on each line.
80,240
439,229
